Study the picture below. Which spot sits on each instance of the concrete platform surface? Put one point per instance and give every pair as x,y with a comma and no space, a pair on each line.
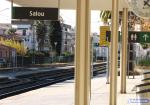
63,94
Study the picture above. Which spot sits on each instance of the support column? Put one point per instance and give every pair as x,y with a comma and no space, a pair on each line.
114,54
124,50
82,55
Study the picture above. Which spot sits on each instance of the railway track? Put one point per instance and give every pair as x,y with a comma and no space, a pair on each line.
24,83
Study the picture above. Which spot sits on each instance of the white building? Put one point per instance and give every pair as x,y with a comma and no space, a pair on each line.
68,39
27,35
98,51
4,27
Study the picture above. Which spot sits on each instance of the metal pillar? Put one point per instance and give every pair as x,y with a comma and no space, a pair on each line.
33,44
124,50
108,69
109,63
114,54
82,55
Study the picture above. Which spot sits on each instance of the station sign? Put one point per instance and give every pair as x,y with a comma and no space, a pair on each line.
139,37
103,30
35,13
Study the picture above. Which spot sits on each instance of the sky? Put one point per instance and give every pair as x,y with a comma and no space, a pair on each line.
5,11
69,16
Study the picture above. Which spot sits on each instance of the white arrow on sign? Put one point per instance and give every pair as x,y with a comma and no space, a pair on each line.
145,36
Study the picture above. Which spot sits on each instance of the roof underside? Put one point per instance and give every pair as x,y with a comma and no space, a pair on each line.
70,4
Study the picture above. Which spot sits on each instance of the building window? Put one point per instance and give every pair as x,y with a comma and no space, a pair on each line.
46,41
24,32
66,29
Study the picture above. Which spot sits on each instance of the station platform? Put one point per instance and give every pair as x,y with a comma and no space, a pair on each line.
14,72
63,93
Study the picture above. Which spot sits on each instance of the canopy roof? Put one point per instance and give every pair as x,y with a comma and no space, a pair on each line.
70,4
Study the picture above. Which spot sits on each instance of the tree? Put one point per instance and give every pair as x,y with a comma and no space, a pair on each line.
55,35
21,50
11,31
41,33
105,16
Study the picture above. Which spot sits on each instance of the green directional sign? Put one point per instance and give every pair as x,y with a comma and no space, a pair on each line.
139,37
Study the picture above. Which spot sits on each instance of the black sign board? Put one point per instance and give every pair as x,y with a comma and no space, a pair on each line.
131,56
35,13
108,36
131,66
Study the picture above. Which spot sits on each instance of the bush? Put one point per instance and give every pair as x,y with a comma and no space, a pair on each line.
30,53
144,62
39,54
66,54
